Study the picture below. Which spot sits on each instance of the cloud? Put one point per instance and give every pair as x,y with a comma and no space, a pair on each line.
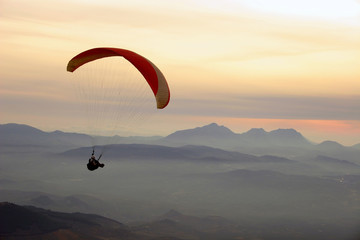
176,29
220,62
272,107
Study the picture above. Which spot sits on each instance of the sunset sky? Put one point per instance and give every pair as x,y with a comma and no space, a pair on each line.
240,63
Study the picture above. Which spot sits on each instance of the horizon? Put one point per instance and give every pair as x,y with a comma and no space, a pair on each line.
241,64
194,127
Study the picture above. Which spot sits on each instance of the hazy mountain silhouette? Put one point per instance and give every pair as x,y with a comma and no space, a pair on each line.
288,137
220,136
326,145
286,143
335,150
209,131
190,153
24,136
69,203
274,185
175,225
199,223
208,135
28,222
335,161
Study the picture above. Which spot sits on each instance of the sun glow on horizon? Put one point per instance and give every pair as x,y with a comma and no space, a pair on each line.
293,61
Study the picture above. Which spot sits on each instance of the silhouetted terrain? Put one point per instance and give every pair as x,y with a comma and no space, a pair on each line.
28,223
281,142
34,223
32,139
217,136
255,185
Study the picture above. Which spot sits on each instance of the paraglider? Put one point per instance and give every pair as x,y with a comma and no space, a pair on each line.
151,73
94,163
153,76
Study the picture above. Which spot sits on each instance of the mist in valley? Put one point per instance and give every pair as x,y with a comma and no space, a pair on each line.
264,195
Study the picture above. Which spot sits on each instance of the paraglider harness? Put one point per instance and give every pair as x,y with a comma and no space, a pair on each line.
94,163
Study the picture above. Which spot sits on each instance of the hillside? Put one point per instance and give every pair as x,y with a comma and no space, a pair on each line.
221,136
191,153
285,143
27,223
33,139
30,223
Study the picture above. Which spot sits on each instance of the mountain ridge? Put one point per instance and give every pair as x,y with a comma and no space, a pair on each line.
285,143
28,136
212,130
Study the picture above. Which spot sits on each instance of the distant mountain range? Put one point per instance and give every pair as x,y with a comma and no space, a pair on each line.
208,135
20,135
274,185
221,136
286,143
192,153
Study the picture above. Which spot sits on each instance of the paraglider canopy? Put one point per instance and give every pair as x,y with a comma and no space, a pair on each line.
150,72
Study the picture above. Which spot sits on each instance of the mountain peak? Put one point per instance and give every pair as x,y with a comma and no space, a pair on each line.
255,132
14,128
211,130
330,144
212,125
216,127
286,131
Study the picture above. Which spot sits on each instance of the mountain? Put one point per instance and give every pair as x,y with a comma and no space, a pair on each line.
267,193
199,223
356,146
288,137
334,165
31,223
210,135
335,161
192,153
287,143
27,222
212,130
335,150
176,225
68,203
284,137
270,192
219,136
15,220
330,145
255,133
27,137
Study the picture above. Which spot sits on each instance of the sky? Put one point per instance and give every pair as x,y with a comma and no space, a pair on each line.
240,63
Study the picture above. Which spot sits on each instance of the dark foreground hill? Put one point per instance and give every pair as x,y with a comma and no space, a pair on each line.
28,223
